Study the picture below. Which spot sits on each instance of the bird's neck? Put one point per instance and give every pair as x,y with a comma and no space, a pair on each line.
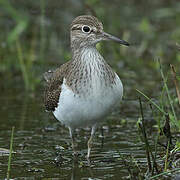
87,55
90,70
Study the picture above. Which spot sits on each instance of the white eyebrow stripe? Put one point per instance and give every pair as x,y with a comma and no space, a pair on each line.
76,26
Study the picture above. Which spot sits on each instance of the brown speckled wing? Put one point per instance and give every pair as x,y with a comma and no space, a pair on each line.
53,87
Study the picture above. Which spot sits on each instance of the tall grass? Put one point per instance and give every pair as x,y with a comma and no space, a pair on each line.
174,118
20,18
42,30
22,65
167,110
169,102
23,53
26,63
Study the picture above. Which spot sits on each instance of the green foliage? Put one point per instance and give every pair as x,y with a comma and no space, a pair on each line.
21,22
165,101
36,33
145,27
177,147
26,65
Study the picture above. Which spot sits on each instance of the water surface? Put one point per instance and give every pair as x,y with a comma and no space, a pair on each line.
43,146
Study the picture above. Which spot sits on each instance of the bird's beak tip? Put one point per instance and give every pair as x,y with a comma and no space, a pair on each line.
127,44
113,38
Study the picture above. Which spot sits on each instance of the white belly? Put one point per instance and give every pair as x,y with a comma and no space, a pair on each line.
80,111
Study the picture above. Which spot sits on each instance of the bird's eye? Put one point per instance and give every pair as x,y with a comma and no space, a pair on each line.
86,29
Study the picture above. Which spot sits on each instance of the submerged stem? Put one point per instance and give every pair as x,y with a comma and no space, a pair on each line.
10,154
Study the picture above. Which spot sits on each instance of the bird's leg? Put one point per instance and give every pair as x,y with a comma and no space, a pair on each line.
71,132
90,141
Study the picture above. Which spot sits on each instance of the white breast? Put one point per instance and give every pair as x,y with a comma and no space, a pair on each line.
79,111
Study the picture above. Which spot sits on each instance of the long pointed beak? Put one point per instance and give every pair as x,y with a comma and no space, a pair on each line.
106,36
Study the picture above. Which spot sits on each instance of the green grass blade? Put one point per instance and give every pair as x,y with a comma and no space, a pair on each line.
42,30
10,154
22,65
165,173
152,102
167,90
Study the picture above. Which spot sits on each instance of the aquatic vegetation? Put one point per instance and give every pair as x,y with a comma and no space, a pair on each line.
168,123
10,154
166,103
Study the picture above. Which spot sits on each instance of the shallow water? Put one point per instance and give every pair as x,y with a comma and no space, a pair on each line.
43,147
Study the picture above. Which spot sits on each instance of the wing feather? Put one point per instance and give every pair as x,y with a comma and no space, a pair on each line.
54,81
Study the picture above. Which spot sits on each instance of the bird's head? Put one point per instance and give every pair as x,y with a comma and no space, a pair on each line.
87,31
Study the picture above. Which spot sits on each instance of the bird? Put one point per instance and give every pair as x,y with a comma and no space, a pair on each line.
84,90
